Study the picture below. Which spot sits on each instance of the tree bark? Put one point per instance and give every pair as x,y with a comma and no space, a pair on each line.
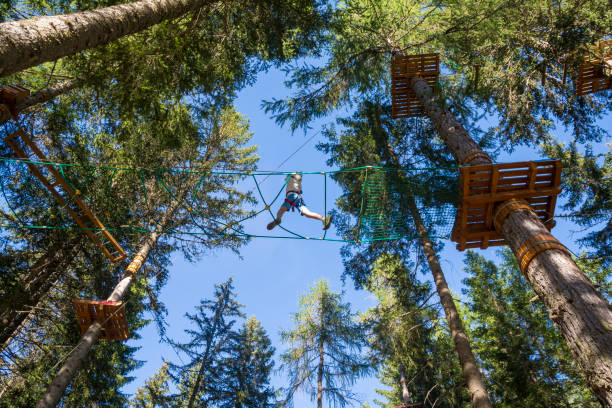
405,392
64,376
469,365
26,43
581,313
35,285
39,97
320,376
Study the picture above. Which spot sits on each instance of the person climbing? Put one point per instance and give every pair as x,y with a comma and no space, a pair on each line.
293,200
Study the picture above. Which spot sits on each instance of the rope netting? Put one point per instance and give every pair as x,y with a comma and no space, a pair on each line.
384,214
388,195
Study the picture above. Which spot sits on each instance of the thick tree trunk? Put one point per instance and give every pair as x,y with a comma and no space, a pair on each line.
469,365
581,313
26,43
64,376
34,286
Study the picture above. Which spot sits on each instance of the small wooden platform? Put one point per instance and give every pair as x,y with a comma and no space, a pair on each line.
591,78
110,314
11,96
94,229
483,188
404,102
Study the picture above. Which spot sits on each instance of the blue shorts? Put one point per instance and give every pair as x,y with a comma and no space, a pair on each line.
294,200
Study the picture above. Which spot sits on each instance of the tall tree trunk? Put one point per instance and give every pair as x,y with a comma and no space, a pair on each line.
579,310
320,377
469,365
74,360
26,43
34,286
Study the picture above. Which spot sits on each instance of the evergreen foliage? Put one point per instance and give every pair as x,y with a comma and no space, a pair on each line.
525,358
324,349
202,379
407,338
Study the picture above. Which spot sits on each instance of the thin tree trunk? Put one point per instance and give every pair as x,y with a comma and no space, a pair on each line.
320,376
200,376
579,310
35,285
469,365
26,43
405,392
39,97
64,376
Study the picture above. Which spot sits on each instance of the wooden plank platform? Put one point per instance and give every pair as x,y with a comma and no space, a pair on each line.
92,226
404,102
483,188
110,314
591,78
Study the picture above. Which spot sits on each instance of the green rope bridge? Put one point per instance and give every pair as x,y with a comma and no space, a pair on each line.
382,214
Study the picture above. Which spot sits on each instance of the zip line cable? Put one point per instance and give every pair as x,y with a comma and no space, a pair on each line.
293,154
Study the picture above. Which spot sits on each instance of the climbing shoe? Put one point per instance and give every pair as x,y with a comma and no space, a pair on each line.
273,224
327,220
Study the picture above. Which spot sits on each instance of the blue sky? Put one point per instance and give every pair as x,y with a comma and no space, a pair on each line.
271,274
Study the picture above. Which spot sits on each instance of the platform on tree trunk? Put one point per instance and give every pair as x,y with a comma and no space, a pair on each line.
11,96
110,314
595,74
483,188
405,103
55,182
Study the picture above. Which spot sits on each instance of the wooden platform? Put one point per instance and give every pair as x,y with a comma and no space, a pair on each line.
63,192
11,96
591,78
110,314
483,188
404,102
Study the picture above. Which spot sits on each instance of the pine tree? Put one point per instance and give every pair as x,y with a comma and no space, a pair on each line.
202,378
370,131
323,358
523,352
155,392
27,43
365,34
249,365
412,349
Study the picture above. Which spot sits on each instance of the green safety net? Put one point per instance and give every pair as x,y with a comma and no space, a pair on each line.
384,213
391,198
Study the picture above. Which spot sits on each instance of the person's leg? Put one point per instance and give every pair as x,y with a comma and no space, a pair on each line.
315,216
310,214
280,212
279,215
